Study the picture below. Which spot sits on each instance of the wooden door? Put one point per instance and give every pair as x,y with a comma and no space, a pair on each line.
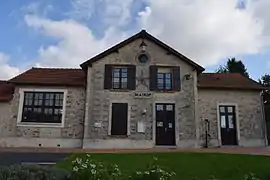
119,119
165,124
228,125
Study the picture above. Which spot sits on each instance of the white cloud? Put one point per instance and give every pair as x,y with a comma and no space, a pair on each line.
206,31
7,71
76,41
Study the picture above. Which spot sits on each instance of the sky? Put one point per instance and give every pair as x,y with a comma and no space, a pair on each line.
65,33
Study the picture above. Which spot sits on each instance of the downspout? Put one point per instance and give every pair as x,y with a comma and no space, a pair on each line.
263,119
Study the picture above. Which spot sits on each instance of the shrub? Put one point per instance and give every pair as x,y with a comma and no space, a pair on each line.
32,172
85,168
153,172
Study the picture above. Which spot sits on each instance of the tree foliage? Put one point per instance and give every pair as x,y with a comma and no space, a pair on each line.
265,80
233,66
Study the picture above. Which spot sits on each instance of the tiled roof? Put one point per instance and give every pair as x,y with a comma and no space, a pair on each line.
227,81
6,91
51,77
77,77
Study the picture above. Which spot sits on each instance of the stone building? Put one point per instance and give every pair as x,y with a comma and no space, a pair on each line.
141,93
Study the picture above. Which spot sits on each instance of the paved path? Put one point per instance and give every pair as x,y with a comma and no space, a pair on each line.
231,150
9,158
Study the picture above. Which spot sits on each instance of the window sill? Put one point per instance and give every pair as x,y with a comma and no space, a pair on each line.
120,90
30,124
164,91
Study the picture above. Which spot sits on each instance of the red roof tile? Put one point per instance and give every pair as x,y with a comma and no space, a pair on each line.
77,77
227,81
6,91
51,76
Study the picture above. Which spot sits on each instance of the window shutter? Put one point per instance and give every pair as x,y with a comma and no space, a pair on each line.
131,77
176,79
108,77
153,77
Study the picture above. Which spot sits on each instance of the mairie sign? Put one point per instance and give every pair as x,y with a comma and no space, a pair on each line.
142,94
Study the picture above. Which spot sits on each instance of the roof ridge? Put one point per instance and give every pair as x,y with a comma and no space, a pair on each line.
56,68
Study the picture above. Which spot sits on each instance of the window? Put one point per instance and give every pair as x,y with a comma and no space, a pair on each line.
42,107
119,80
120,77
227,116
165,78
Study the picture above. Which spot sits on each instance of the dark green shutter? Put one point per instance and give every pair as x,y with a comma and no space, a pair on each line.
153,78
108,77
131,77
176,79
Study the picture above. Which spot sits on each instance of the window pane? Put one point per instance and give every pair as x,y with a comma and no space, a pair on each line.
230,109
124,80
223,121
169,107
124,70
116,85
160,81
159,107
124,74
116,74
231,123
116,80
160,76
168,86
222,109
168,76
124,85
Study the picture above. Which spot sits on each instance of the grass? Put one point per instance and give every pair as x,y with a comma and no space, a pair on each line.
188,166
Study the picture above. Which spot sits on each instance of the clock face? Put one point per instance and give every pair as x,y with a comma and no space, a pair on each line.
143,58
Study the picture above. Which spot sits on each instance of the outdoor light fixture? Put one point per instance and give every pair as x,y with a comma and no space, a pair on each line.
188,76
143,46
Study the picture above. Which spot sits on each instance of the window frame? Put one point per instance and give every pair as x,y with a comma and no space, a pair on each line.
120,77
164,79
40,124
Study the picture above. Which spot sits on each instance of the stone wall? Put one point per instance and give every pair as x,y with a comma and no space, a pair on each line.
70,135
99,100
249,115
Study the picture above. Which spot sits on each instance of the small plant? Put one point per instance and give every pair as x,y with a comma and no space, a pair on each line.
32,172
251,176
153,172
86,168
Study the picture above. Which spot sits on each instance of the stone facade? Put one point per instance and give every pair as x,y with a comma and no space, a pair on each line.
70,135
99,101
249,115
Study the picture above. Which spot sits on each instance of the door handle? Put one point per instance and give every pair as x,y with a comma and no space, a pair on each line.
165,129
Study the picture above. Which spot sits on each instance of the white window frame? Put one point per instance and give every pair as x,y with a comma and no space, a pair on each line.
38,124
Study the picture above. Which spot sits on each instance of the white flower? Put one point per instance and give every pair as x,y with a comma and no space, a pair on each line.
75,168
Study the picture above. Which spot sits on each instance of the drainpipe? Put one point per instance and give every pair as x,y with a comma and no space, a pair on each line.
263,120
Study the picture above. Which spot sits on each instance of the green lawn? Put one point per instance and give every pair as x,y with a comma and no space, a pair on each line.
189,166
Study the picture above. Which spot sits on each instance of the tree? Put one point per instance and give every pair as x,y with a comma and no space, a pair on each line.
233,66
265,80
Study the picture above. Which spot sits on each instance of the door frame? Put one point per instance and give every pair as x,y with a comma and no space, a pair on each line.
236,122
110,115
154,121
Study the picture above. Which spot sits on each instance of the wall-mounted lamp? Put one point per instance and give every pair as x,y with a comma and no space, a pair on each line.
143,46
144,111
188,76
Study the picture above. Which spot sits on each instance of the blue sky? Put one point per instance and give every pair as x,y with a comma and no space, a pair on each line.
64,33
